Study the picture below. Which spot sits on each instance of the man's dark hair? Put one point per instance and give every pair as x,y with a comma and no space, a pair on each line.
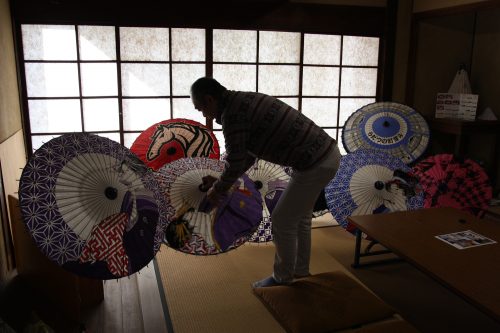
207,86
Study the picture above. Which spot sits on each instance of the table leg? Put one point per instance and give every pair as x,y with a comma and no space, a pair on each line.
367,253
357,248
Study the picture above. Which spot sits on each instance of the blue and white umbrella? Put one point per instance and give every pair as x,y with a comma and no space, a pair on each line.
92,206
369,182
391,127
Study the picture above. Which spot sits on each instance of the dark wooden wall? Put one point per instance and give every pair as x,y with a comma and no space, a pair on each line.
263,15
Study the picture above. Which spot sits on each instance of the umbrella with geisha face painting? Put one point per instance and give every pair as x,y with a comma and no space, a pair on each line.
172,139
371,182
450,181
92,206
195,230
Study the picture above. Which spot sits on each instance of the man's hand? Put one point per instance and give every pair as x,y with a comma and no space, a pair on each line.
208,181
213,196
211,200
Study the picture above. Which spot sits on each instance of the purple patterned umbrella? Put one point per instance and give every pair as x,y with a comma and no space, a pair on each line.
193,230
92,206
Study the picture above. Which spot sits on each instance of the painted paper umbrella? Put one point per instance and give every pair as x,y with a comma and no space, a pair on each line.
271,180
320,207
195,230
394,128
92,206
449,181
369,182
172,139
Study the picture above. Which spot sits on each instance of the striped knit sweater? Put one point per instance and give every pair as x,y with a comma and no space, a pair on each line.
260,126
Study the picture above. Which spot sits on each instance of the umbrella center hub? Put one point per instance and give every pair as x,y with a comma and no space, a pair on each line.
442,188
379,185
258,184
111,193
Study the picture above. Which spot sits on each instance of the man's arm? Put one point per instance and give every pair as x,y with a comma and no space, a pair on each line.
238,160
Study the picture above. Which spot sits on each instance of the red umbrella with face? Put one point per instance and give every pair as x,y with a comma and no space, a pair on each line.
449,181
172,139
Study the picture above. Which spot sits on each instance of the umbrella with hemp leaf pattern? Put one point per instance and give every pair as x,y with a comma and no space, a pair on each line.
92,206
369,182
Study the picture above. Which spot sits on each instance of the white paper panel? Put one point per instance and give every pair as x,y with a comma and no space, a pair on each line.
293,102
234,46
359,82
183,76
97,42
323,111
145,80
188,44
220,140
216,126
38,140
183,108
320,81
129,138
59,115
350,105
279,47
331,132
279,79
101,114
147,44
236,77
48,42
99,79
139,114
51,80
340,144
321,49
360,51
112,136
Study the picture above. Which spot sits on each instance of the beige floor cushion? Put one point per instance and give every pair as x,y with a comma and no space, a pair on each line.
325,302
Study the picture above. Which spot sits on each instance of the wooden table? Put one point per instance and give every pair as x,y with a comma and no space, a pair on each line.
472,273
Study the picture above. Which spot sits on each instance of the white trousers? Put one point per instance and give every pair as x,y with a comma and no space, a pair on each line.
291,218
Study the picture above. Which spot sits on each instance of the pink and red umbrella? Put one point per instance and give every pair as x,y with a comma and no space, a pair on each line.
448,181
172,139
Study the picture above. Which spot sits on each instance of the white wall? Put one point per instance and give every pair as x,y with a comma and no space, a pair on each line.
13,157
